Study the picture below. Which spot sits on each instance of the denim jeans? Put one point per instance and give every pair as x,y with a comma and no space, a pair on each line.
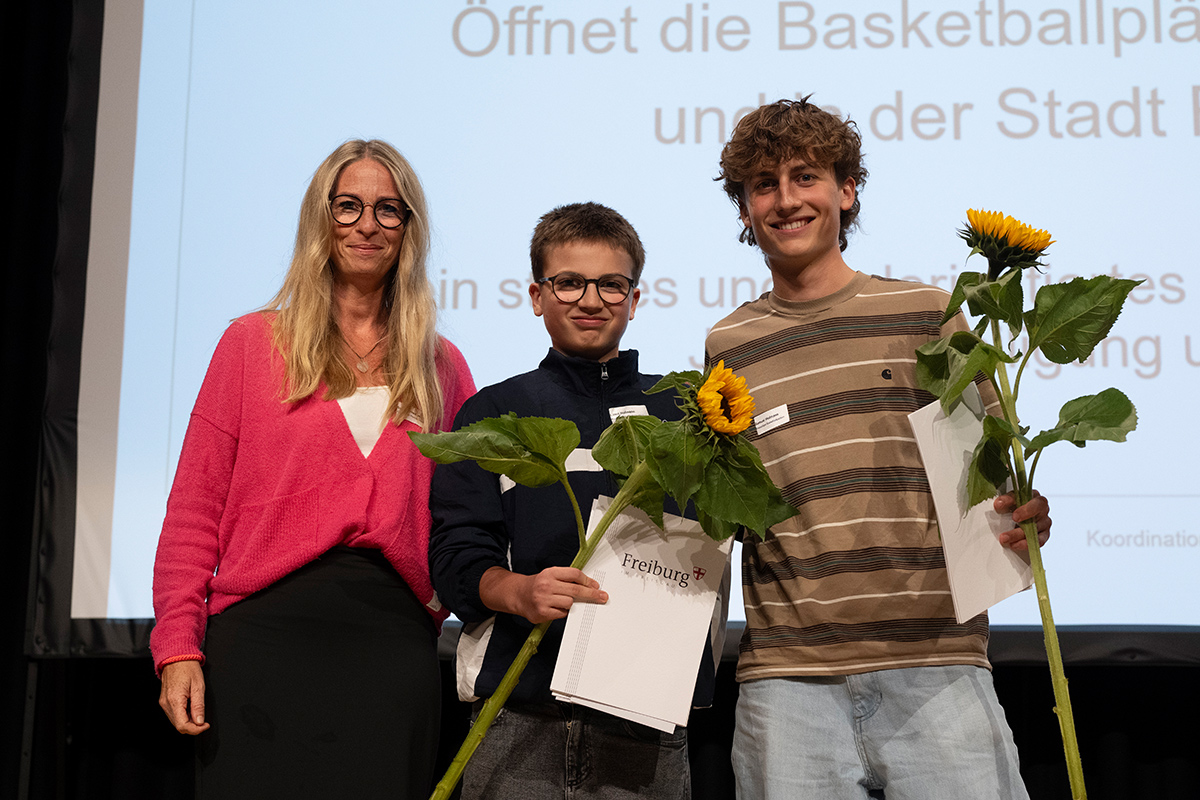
923,733
553,751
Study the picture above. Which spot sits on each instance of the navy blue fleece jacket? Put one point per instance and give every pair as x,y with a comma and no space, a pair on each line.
481,520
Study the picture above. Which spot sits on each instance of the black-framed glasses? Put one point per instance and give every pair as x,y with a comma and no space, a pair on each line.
569,287
390,212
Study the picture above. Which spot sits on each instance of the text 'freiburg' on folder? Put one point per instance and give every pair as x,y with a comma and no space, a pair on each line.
637,656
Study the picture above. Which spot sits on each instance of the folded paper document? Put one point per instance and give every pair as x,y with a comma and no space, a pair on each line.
982,571
637,656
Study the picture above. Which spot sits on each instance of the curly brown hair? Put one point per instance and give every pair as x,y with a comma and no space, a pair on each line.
786,129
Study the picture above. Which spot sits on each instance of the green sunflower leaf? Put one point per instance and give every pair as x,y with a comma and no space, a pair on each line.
624,444
684,383
1109,415
650,499
678,458
946,366
532,451
1069,319
989,467
715,527
959,296
1002,299
737,489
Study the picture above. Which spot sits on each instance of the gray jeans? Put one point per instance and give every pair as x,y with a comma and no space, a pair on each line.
554,751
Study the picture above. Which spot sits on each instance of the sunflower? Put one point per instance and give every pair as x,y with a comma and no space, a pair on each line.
727,406
1006,242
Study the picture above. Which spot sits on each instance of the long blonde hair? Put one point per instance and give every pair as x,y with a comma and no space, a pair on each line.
305,331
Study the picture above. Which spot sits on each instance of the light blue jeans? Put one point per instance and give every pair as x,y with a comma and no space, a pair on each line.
923,733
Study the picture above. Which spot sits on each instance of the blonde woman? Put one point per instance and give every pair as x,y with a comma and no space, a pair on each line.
293,560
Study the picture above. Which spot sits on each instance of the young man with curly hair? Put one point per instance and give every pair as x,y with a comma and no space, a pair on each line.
856,680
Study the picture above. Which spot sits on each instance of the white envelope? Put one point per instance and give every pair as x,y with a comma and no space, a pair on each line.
637,656
982,571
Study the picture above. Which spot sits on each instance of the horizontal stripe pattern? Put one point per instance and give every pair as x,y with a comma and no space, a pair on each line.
900,399
925,522
835,562
887,630
798,668
923,324
849,481
857,580
876,596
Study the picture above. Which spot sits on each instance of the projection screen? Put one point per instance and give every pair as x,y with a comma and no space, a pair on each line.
1082,118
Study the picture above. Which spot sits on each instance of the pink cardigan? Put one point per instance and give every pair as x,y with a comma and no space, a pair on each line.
264,487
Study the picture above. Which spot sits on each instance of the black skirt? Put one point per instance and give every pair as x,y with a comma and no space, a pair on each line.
323,685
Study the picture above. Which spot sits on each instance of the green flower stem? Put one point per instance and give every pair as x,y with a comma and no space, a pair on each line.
1008,403
494,703
488,714
1033,466
1062,697
1058,678
1020,370
633,485
575,507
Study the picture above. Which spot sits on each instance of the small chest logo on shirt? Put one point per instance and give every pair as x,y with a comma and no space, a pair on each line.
886,374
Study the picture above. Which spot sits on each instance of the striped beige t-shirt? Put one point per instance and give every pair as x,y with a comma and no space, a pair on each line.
856,582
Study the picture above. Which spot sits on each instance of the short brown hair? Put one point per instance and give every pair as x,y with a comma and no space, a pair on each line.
584,222
787,129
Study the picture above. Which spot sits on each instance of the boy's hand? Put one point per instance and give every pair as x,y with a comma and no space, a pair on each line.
538,598
1037,509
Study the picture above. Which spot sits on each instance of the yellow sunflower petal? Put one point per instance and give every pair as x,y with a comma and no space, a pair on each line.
1004,240
727,406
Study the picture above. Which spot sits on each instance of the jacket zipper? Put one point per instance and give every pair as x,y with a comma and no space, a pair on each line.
612,484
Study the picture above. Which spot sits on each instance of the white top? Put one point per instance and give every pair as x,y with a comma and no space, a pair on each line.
364,411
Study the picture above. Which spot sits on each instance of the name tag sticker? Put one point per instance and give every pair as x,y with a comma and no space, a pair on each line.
617,412
770,420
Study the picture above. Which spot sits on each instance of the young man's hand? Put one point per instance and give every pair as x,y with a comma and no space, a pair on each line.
1037,509
538,598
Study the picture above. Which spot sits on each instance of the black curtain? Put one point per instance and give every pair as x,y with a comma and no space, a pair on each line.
37,51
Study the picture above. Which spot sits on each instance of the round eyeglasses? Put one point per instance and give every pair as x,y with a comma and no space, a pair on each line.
570,287
389,212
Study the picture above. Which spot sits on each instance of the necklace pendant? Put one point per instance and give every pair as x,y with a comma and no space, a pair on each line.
362,365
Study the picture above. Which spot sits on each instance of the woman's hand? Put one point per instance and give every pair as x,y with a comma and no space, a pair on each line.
182,696
1037,509
545,596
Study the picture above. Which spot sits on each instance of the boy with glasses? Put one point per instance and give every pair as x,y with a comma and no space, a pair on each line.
855,679
498,552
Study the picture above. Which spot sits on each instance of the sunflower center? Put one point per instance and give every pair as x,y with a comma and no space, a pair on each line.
726,408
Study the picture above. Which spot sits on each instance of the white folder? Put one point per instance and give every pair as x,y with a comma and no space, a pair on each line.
982,571
637,656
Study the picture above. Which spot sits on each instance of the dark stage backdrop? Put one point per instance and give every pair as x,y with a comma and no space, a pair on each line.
75,726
